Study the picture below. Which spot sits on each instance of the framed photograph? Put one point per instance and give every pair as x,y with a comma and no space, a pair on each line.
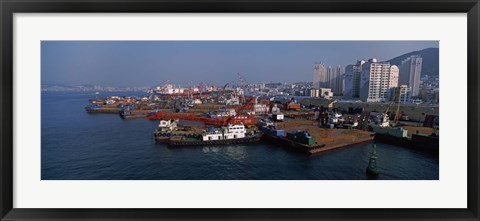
123,110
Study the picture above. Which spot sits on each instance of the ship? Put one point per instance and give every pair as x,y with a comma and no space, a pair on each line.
388,133
126,113
384,128
230,134
428,143
98,108
165,130
170,128
92,107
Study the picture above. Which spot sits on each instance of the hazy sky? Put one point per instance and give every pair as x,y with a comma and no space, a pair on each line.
149,63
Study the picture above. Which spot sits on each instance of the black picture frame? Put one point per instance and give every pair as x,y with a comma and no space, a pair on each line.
9,7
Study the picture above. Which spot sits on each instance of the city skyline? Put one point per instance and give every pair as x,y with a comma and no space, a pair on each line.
212,62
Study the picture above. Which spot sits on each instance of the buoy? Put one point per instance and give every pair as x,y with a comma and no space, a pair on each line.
372,163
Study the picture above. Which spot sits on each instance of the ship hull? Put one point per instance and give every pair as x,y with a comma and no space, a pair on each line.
313,149
129,116
290,143
175,143
427,144
164,137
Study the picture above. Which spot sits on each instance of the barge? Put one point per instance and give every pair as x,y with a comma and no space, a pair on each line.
399,136
300,140
305,142
422,142
97,108
128,114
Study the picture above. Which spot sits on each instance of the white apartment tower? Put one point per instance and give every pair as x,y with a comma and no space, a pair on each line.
319,75
410,71
377,81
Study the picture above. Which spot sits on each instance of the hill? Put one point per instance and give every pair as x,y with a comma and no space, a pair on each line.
429,62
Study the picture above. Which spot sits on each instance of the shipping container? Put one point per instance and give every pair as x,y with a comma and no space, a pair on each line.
277,117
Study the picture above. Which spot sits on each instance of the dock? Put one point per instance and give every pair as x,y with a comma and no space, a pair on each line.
105,110
135,114
327,139
310,128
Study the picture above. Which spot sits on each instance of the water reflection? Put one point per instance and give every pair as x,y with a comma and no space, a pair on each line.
236,152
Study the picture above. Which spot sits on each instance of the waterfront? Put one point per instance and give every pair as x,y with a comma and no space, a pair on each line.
81,146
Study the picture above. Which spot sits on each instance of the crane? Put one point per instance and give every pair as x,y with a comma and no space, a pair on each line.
330,105
249,120
397,113
242,85
223,89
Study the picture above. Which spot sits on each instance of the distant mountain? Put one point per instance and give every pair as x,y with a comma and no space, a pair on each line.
429,60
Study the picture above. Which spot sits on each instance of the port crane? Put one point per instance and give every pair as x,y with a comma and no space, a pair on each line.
397,112
221,93
241,82
239,118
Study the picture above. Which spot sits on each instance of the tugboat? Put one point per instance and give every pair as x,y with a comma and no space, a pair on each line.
230,134
165,130
372,169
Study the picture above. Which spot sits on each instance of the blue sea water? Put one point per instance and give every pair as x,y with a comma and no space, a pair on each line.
80,146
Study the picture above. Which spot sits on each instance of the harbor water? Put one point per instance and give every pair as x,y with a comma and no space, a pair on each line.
76,145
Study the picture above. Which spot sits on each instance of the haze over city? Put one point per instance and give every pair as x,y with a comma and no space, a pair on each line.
148,63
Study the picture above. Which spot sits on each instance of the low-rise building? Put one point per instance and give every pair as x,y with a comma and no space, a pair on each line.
321,92
403,94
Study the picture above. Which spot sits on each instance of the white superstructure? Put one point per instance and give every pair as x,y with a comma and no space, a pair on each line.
167,125
225,133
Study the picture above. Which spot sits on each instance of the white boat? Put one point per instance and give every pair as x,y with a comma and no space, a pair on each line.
230,134
225,133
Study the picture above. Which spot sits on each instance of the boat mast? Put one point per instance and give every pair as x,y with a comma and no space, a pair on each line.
397,113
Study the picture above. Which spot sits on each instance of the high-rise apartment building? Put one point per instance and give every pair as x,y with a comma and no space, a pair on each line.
352,80
348,82
334,79
377,81
357,74
328,77
402,94
319,75
410,71
338,80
